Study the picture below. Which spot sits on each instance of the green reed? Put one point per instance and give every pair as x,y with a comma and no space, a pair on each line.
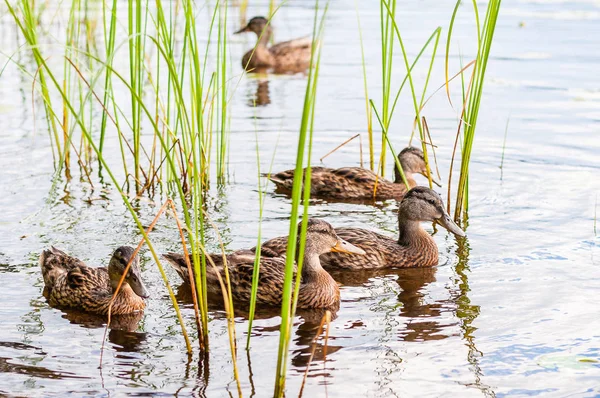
417,104
180,95
387,51
222,93
28,27
366,88
473,95
256,270
109,40
390,33
70,107
181,128
300,185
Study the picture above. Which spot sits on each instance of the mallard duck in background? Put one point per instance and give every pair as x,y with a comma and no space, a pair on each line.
317,290
357,183
413,248
286,57
69,283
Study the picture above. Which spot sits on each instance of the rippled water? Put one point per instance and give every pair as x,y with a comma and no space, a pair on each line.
512,311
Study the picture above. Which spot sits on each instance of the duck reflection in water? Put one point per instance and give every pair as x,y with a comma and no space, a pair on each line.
423,322
126,322
307,326
261,96
122,331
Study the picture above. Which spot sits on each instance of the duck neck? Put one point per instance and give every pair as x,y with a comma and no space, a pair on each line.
311,265
126,301
115,282
407,173
408,231
417,241
265,38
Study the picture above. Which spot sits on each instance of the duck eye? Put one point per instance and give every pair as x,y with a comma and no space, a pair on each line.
431,201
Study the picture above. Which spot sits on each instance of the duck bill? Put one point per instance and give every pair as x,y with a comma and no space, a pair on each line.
446,222
139,288
424,173
244,29
345,247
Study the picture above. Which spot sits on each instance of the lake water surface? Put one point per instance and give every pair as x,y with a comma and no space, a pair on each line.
513,310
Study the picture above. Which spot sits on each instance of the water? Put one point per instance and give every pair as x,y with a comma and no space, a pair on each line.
513,311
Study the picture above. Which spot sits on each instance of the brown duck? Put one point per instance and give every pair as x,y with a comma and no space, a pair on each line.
413,248
286,57
317,289
69,283
357,183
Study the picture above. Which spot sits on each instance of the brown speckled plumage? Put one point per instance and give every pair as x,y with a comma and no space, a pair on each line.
413,248
356,183
317,290
286,57
69,283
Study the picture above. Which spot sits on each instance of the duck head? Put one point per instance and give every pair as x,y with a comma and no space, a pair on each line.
412,160
118,262
424,204
256,25
321,238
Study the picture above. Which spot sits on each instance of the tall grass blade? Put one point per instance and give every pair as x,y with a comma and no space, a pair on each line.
290,291
485,35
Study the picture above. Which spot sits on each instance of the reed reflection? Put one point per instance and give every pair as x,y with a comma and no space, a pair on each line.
306,328
467,313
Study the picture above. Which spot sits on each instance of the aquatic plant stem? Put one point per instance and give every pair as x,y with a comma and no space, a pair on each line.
485,35
124,275
367,107
289,295
186,257
323,326
387,140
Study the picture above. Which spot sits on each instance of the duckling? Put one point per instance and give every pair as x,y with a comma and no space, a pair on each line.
69,283
285,57
413,248
357,183
317,289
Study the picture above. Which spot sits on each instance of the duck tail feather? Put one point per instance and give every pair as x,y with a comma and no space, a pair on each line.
50,265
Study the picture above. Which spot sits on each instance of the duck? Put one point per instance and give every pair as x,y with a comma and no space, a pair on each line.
414,247
70,283
317,288
286,57
357,183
